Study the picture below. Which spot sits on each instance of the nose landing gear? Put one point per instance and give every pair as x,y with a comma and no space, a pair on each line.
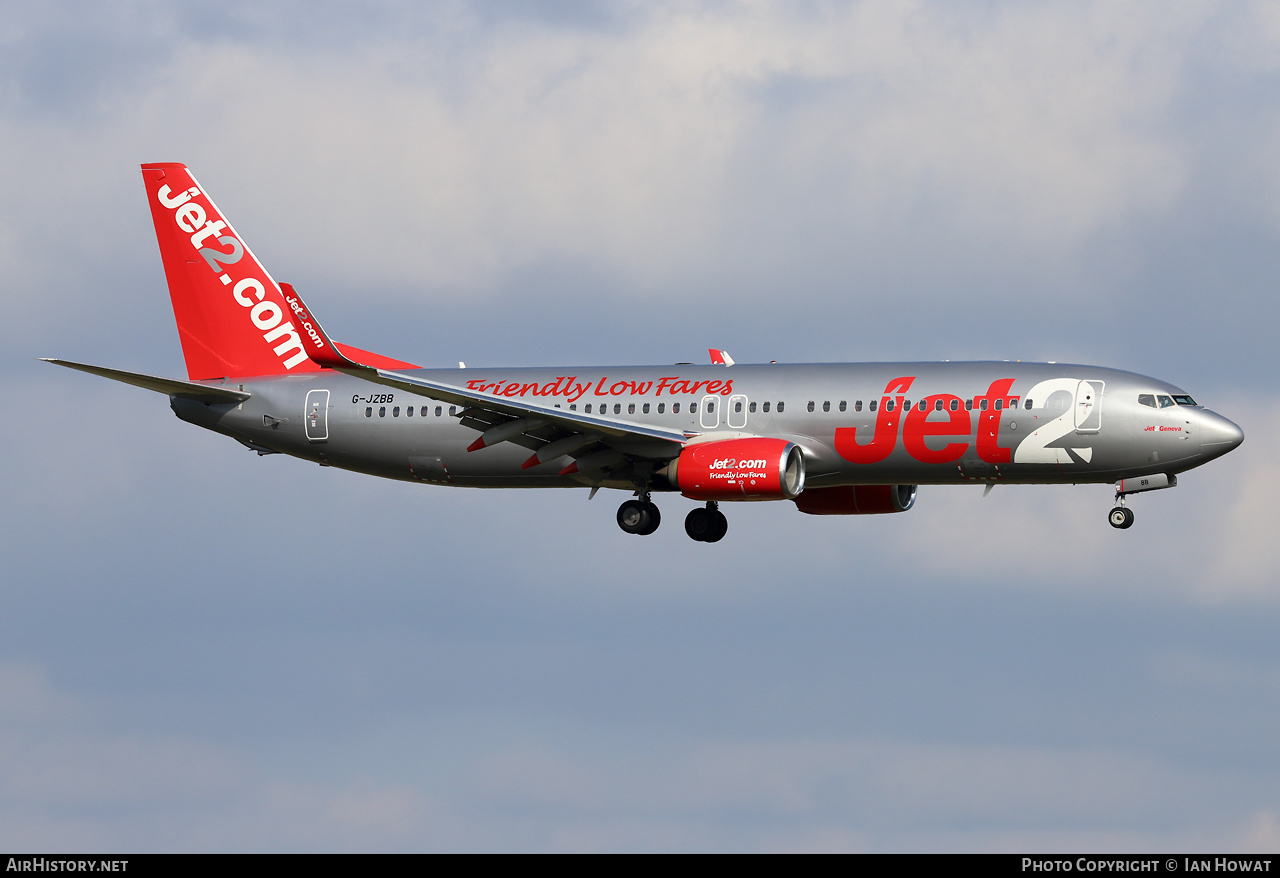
1120,516
706,525
640,517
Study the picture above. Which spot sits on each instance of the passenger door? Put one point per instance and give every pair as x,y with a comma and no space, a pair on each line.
317,415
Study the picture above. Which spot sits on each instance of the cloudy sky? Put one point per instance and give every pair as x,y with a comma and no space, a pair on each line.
204,650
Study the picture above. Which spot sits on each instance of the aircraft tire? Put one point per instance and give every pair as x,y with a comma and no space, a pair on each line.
634,517
655,519
719,527
698,524
1121,517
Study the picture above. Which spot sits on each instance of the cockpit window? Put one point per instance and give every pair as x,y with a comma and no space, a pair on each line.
1147,399
1183,399
1165,402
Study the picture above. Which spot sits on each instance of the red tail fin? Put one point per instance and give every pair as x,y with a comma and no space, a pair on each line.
232,318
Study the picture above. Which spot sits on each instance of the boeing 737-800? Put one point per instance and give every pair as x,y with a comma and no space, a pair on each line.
834,439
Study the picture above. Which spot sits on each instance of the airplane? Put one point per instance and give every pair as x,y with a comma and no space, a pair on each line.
834,439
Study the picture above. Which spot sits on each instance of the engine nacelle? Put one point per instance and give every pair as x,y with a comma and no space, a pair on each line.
857,500
739,469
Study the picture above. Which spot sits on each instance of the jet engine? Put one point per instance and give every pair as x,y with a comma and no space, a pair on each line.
739,469
857,500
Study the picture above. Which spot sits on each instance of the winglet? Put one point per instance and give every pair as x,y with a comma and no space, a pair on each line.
325,352
719,358
315,341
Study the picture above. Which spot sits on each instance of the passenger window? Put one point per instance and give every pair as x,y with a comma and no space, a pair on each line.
631,408
1147,399
395,412
752,407
382,411
662,408
1165,402
968,405
693,408
871,406
737,407
368,412
982,405
826,405
781,405
675,408
573,406
617,408
646,408
937,405
423,413
888,405
438,411
765,407
955,405
843,405
810,405
408,412
857,405
924,405
999,404
453,410
1028,405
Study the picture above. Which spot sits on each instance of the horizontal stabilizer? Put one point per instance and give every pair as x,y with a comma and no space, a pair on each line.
168,386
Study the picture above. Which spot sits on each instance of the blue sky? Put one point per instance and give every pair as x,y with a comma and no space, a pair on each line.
204,650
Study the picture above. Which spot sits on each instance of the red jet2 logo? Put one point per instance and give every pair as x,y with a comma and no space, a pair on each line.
952,420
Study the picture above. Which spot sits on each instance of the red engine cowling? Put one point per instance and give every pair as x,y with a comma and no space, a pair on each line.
739,469
857,500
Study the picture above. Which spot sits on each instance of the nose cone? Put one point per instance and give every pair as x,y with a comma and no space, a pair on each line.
1217,434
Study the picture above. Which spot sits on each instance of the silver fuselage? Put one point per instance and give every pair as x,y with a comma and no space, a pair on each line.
1084,424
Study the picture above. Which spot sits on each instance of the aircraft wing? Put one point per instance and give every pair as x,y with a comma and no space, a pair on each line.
596,442
171,386
483,402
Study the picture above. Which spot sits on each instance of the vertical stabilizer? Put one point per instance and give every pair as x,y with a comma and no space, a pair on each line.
232,319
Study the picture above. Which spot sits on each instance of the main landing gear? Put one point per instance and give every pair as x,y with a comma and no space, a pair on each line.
706,525
1120,516
639,517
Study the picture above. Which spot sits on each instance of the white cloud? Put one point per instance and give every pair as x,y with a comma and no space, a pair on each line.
690,144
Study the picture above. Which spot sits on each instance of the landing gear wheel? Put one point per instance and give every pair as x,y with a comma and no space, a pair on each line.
706,525
655,519
720,527
634,518
1121,517
697,524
